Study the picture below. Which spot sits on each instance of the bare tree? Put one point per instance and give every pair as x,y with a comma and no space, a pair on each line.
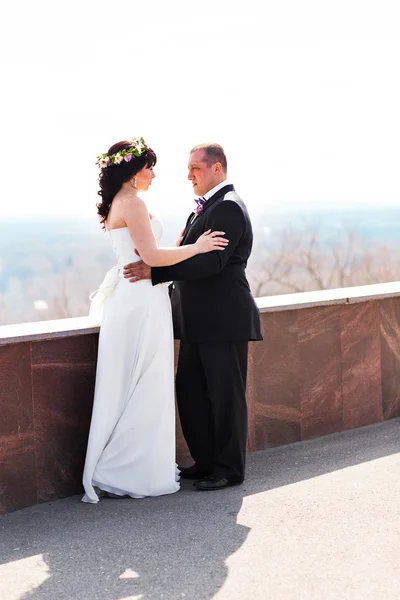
301,259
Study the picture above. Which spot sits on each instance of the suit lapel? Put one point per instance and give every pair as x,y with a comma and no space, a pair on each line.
193,217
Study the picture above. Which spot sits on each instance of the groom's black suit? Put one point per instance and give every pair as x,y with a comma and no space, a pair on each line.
214,316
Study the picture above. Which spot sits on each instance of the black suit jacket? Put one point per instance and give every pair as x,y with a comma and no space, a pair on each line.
211,298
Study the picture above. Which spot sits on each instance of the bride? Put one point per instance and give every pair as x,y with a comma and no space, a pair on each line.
131,447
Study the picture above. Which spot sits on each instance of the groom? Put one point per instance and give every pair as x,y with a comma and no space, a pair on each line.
214,316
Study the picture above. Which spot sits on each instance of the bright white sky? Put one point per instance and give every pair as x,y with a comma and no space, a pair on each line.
303,94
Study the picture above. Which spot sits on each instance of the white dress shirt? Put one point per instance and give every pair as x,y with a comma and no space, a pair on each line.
215,189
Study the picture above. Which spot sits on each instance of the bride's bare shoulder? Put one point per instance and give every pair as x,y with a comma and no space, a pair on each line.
129,203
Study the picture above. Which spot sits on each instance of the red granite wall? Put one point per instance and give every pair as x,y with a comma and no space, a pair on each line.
46,391
319,370
324,369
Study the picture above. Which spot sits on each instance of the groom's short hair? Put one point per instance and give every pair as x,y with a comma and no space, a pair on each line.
212,153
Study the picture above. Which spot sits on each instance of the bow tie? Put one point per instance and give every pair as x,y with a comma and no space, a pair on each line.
200,205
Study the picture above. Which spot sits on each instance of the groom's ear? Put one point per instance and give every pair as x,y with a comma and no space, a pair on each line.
218,167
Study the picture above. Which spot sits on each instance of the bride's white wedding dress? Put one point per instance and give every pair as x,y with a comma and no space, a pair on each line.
131,447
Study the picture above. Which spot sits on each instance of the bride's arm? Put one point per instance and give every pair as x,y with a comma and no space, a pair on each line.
137,220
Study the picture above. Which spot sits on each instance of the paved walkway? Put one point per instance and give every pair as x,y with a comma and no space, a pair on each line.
314,520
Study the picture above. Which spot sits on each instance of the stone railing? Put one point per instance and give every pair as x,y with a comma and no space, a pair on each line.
329,361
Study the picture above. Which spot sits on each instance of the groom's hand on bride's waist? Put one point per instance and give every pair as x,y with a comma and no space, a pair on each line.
137,271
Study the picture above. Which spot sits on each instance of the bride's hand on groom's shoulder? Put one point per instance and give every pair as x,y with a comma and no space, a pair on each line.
137,271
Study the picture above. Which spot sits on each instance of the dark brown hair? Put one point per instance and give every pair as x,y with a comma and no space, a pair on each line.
112,177
212,153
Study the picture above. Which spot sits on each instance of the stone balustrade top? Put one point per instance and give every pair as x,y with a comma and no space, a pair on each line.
46,330
361,293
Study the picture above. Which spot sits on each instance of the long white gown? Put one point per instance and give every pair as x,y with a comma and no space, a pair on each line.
131,447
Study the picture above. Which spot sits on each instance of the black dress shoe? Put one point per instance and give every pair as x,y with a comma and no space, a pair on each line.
213,482
192,473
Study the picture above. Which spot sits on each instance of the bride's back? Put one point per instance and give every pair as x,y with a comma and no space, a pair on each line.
122,243
115,218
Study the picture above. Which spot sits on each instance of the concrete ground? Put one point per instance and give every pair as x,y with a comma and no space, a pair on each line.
314,520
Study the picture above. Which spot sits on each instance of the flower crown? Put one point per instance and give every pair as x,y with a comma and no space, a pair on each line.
138,146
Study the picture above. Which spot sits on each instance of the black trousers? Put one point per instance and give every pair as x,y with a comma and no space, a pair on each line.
211,396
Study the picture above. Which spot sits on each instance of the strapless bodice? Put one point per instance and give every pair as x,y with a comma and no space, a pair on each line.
123,246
